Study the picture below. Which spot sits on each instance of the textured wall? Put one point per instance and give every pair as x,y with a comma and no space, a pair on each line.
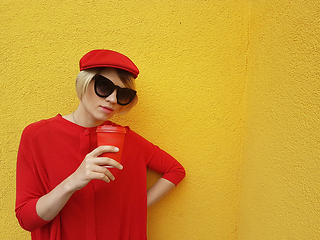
280,189
192,56
208,68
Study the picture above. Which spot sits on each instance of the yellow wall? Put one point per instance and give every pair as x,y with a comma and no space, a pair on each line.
192,57
280,187
227,87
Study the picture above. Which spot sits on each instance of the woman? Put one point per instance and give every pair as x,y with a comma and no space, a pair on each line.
63,189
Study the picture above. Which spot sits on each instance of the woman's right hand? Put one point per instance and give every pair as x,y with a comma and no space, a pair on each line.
93,167
49,205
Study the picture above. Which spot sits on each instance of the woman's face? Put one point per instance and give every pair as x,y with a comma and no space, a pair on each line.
97,109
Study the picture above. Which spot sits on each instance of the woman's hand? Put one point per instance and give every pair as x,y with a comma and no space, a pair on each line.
93,167
49,205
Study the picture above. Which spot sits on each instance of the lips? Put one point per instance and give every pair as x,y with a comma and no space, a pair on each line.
106,109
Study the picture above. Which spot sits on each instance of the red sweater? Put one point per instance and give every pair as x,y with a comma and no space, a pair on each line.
51,150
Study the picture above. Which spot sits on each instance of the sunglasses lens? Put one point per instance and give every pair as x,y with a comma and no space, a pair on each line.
105,87
125,95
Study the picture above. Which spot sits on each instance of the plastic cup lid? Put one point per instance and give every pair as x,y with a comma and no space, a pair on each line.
110,128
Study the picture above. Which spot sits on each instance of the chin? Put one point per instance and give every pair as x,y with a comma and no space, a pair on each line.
107,117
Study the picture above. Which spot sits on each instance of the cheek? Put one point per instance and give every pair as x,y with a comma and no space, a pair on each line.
90,95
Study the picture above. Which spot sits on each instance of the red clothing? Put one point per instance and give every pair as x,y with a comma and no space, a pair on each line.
51,150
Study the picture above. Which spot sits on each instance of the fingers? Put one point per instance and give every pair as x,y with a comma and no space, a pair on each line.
109,162
101,149
102,173
106,162
96,168
92,170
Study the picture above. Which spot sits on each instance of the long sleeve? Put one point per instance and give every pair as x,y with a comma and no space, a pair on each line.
52,149
169,167
156,159
27,188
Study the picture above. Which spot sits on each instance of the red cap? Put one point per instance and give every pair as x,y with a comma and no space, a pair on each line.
108,58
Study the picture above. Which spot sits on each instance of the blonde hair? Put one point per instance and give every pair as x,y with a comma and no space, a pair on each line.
85,77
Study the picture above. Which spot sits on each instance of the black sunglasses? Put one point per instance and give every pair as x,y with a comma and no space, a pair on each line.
104,87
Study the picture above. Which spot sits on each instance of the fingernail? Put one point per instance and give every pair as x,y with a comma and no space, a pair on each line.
116,149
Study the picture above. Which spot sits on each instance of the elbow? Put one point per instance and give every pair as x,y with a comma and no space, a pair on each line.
176,176
28,217
24,225
30,225
182,172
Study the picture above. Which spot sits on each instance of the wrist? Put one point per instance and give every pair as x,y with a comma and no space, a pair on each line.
69,186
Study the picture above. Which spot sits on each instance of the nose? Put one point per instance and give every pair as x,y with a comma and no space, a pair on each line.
112,97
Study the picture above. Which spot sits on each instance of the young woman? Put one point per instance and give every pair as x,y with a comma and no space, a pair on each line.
64,190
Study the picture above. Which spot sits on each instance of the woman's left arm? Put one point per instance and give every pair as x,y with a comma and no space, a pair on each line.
158,191
159,161
172,173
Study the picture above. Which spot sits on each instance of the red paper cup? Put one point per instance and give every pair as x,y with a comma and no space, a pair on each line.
111,136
